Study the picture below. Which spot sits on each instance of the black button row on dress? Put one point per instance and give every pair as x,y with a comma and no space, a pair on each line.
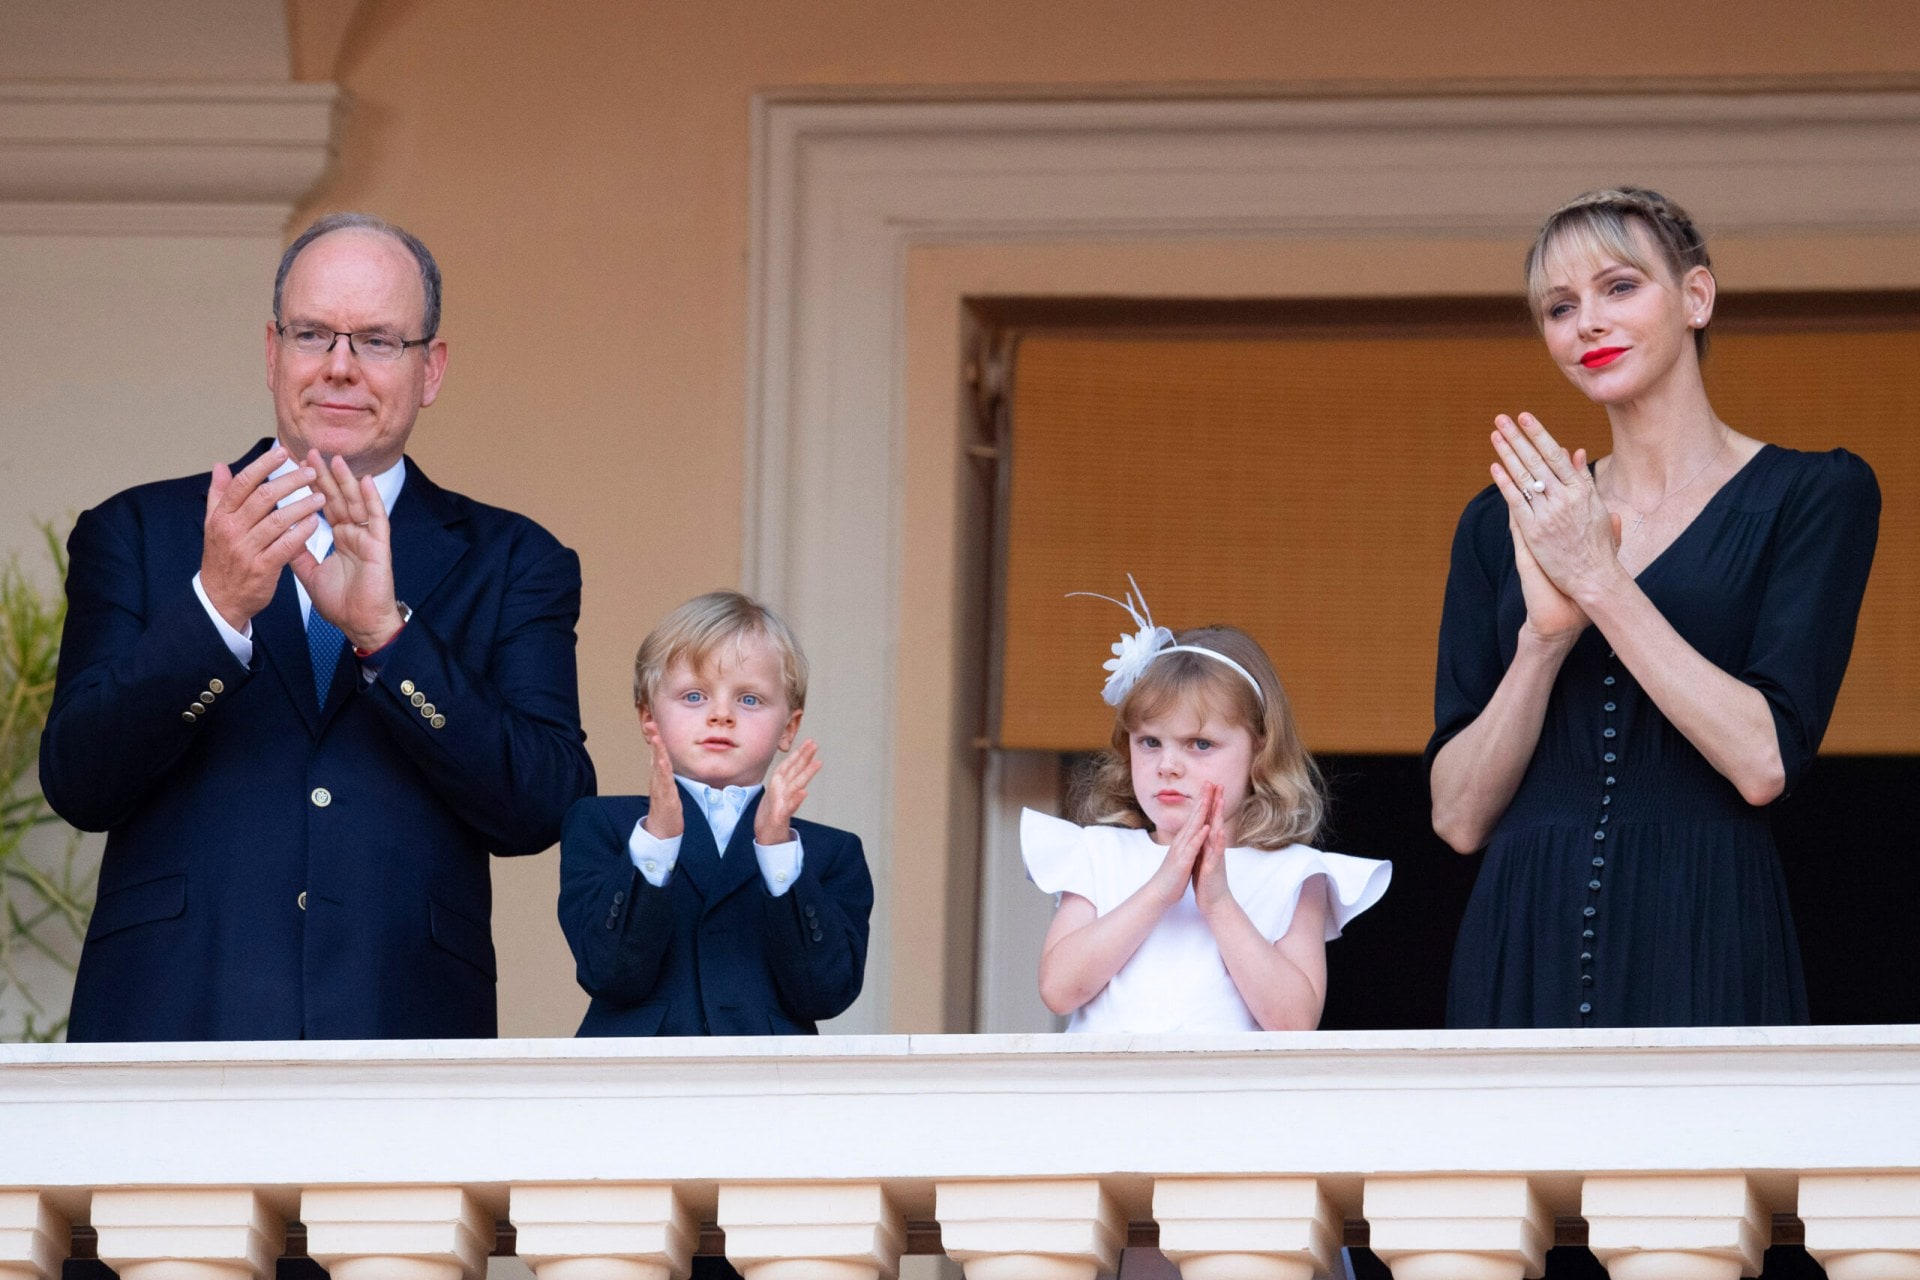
1608,734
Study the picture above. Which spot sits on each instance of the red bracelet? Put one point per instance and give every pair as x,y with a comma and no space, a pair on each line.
364,654
406,616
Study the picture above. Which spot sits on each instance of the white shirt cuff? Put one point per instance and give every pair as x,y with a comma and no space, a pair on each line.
239,643
779,864
653,857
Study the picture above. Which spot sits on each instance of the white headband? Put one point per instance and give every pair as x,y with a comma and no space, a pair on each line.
1133,653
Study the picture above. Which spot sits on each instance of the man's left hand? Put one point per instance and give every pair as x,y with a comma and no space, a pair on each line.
353,587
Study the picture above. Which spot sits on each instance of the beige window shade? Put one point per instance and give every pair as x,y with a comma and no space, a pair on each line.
1306,489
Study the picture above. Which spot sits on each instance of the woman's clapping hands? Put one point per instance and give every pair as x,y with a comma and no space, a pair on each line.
1563,535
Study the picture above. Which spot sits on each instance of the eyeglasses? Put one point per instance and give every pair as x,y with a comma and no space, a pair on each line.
317,340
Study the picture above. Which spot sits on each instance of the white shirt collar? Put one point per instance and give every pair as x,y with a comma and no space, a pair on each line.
722,806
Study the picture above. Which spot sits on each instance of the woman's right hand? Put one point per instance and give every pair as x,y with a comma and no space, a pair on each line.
1552,616
1546,489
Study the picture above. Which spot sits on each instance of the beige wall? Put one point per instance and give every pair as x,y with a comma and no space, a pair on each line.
582,172
143,40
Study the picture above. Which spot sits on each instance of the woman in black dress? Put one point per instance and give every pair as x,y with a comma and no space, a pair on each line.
1636,658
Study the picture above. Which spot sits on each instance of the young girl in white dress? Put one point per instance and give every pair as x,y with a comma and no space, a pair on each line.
1194,903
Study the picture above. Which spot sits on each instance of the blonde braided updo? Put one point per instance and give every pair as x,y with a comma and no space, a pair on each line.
1599,224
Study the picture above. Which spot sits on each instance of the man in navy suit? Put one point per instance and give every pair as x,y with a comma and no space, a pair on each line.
710,909
308,694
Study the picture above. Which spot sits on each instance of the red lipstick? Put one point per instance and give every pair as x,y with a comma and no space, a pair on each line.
1601,357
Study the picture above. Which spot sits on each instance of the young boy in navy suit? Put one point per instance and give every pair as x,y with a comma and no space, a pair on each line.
708,908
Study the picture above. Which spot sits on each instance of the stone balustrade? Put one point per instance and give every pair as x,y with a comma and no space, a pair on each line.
1456,1155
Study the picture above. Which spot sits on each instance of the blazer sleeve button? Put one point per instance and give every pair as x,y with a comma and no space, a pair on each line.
438,722
406,687
217,685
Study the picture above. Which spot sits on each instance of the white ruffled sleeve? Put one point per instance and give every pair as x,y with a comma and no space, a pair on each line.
1277,877
1056,853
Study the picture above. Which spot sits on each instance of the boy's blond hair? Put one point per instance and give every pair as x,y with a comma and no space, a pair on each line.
698,630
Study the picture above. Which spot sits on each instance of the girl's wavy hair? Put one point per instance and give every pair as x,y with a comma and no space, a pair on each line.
1286,800
1599,224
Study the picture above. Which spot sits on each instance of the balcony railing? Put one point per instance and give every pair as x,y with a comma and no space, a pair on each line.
1456,1155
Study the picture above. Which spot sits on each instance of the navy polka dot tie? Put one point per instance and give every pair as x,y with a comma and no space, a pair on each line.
324,642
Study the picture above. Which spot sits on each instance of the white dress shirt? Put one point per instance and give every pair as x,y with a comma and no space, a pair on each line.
319,542
655,858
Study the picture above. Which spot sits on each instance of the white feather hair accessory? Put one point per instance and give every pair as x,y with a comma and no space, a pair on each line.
1135,651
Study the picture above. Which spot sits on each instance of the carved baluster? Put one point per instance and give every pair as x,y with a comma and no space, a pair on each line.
1675,1227
1458,1227
1863,1226
180,1233
397,1233
33,1238
1051,1229
1247,1228
603,1231
812,1231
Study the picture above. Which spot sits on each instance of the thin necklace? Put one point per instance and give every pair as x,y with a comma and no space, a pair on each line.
1641,517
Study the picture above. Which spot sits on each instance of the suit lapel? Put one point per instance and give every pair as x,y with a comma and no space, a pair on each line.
715,877
282,636
740,866
699,858
346,682
427,541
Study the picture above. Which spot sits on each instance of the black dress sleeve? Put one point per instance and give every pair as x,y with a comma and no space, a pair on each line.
1821,553
1472,656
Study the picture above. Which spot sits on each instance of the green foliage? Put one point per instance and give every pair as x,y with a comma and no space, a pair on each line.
45,892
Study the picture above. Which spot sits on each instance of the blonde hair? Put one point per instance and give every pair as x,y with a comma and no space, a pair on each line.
1286,798
1599,224
698,629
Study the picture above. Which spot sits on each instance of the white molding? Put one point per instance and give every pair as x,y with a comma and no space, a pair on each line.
908,1110
161,159
842,190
